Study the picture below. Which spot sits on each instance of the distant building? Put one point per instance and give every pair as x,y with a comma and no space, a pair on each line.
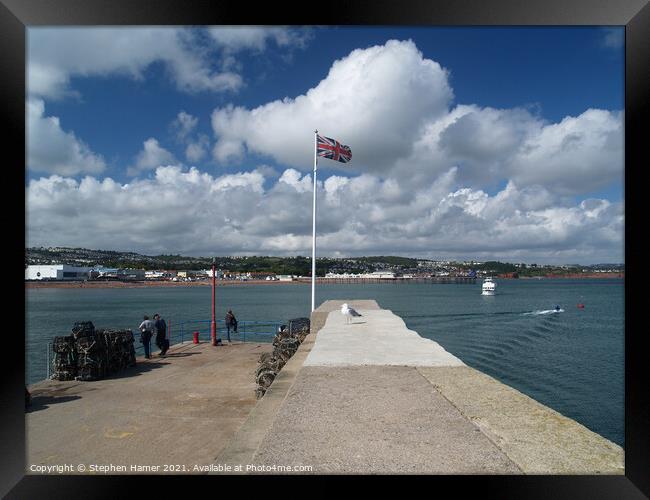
342,275
108,273
156,275
374,275
191,275
218,273
379,275
260,275
131,274
57,272
286,277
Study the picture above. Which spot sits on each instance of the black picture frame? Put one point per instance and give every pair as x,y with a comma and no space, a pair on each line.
17,15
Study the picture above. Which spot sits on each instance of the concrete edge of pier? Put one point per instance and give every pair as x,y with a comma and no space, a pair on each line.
531,438
243,446
535,437
241,449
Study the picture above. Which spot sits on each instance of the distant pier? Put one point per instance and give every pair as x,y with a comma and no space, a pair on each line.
441,280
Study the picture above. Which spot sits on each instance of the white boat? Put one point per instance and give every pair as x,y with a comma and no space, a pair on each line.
489,287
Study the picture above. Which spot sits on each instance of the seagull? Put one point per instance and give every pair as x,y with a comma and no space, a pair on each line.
348,312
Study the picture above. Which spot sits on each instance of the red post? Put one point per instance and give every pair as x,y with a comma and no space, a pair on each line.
213,325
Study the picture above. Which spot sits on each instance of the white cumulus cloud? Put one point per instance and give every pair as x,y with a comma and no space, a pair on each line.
183,125
577,155
190,212
197,150
194,63
374,99
153,155
392,106
56,55
428,177
51,149
236,38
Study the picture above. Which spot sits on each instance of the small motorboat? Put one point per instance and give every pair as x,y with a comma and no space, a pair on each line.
489,287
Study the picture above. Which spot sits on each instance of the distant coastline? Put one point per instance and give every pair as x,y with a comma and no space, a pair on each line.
573,276
149,284
177,284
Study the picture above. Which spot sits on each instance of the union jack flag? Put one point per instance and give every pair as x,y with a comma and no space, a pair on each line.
334,150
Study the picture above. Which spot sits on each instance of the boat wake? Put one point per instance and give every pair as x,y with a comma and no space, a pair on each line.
545,311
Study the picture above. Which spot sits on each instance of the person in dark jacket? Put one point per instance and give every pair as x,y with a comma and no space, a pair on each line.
231,322
161,334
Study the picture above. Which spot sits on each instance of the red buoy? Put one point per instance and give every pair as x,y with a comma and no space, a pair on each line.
581,306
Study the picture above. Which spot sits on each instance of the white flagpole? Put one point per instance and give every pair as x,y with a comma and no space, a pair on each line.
313,247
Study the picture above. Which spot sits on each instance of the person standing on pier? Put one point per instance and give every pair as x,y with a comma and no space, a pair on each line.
231,322
161,334
147,328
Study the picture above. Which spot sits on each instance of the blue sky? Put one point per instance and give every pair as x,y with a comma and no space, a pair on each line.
491,119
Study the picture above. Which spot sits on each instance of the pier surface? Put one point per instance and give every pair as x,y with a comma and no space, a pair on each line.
179,410
374,397
367,397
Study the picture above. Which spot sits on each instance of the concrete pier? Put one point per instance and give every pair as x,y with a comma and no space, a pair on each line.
180,410
379,338
367,397
374,397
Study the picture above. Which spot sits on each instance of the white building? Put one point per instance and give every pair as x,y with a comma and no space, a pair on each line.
375,275
342,275
119,274
57,272
131,274
154,275
218,273
379,275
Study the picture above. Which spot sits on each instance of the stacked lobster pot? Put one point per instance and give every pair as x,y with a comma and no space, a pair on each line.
92,354
285,344
91,351
65,358
298,328
120,352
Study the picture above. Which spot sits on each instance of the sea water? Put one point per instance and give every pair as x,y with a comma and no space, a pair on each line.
571,360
